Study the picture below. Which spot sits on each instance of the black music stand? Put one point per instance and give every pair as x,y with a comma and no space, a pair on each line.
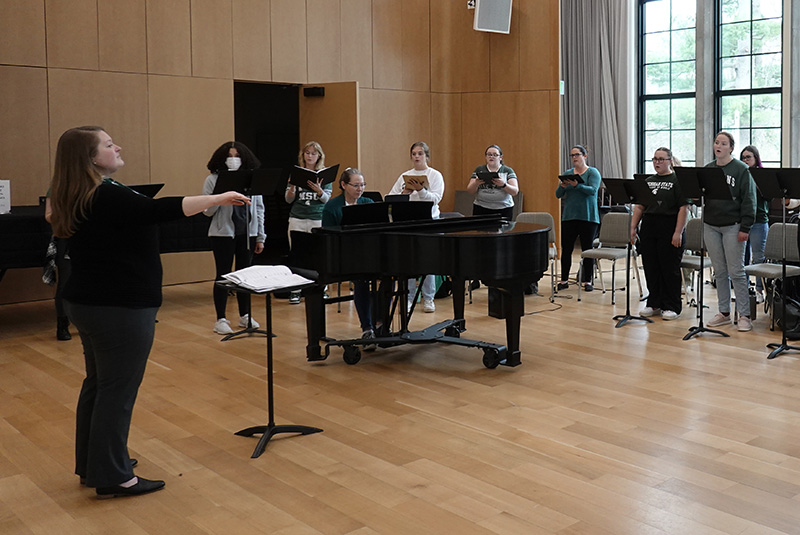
702,183
783,184
628,192
271,429
248,182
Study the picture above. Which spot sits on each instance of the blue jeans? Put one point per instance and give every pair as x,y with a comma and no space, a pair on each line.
757,241
727,258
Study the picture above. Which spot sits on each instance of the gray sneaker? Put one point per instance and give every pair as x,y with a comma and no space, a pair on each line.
745,324
719,319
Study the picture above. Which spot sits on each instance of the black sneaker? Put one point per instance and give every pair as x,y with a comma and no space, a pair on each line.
588,287
562,286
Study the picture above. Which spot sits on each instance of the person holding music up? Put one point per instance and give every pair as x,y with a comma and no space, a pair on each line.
661,238
726,228
429,187
307,202
233,233
495,197
580,216
112,295
754,250
352,184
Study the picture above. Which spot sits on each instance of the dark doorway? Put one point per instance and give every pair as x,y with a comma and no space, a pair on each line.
266,118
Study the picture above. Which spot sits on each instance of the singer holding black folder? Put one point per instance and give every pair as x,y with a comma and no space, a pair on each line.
725,232
230,231
661,238
493,195
112,295
580,215
307,202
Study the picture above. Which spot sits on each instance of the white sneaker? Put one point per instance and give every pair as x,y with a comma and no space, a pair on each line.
646,312
719,319
759,297
428,306
243,322
669,315
294,298
745,324
368,335
223,326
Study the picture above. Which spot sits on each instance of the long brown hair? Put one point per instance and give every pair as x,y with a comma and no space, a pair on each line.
75,179
317,147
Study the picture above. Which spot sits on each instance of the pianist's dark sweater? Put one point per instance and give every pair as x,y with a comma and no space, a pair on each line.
115,252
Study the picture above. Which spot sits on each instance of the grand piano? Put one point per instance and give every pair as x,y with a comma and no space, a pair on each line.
505,255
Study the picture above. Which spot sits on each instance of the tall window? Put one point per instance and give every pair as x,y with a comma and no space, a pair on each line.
750,74
667,79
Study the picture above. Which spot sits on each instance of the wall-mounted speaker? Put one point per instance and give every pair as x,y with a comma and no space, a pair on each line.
314,91
493,16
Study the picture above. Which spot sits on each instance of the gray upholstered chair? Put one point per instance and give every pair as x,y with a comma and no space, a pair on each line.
772,268
546,219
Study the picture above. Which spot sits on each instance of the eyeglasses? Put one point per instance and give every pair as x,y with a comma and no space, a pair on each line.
492,155
748,157
575,154
360,185
659,160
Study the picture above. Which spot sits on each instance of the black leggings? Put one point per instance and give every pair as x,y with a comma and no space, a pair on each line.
225,250
570,231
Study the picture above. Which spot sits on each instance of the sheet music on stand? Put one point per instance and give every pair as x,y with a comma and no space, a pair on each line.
266,278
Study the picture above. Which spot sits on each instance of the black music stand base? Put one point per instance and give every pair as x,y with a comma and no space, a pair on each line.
694,331
245,331
622,319
270,430
777,349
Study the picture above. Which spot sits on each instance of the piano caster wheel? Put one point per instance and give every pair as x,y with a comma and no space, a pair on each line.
491,358
351,354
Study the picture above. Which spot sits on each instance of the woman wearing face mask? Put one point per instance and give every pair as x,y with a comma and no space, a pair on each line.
725,230
307,202
497,197
234,234
758,231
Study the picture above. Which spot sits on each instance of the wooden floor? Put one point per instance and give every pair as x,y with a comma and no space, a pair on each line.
628,431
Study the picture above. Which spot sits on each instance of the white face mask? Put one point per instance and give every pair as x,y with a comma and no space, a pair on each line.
233,163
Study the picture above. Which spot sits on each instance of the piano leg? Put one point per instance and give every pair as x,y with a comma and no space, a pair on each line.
315,321
459,290
514,309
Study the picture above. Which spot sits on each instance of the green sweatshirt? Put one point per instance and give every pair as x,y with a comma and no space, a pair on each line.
742,209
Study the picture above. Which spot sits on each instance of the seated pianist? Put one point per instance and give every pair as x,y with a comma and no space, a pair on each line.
352,185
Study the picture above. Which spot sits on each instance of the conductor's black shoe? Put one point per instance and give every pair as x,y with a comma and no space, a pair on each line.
588,287
143,486
562,286
134,462
62,328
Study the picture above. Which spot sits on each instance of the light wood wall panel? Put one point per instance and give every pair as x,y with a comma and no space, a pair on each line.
324,41
212,46
459,54
332,121
356,31
289,42
115,101
189,119
539,48
251,40
22,34
446,137
25,146
390,122
188,267
387,44
169,40
417,51
526,126
122,35
71,34
504,64
21,285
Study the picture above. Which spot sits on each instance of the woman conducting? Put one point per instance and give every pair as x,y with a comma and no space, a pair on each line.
726,225
234,233
429,187
307,202
661,238
496,196
111,296
580,216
